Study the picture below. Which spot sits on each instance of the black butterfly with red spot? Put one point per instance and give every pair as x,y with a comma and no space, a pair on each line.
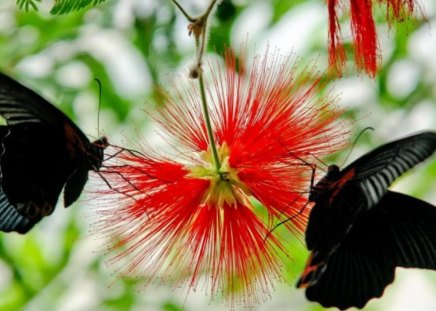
359,231
42,152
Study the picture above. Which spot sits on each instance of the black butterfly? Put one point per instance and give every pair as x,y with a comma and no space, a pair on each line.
359,231
42,152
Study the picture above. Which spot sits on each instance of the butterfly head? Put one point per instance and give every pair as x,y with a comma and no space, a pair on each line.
96,153
321,188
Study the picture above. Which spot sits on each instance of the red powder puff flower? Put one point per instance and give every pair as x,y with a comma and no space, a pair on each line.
176,218
364,31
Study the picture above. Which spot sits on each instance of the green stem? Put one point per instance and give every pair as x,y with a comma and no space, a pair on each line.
208,123
200,42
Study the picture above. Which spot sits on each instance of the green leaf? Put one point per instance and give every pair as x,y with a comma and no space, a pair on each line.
67,6
28,5
170,306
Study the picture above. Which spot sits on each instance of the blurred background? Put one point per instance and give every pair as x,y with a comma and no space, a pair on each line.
132,45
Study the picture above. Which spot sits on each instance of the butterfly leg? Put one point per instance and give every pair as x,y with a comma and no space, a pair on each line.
115,189
122,149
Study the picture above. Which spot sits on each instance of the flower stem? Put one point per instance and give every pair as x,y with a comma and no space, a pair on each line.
208,123
199,28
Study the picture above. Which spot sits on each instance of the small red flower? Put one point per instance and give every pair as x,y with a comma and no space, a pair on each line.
364,31
176,218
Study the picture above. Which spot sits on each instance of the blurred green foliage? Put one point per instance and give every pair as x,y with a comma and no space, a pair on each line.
59,6
28,4
130,46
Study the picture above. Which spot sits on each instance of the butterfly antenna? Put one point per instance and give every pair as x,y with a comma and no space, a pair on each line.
99,106
354,143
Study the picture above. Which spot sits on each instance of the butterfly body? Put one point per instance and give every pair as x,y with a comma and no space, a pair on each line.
359,231
42,152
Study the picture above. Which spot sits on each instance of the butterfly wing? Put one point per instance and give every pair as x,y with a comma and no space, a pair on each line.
342,195
412,226
351,276
376,170
399,231
19,104
10,218
328,226
42,149
34,168
353,227
74,185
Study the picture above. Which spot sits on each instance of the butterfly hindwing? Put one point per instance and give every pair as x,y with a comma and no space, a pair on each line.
74,185
350,278
399,231
10,218
357,269
34,170
412,230
330,224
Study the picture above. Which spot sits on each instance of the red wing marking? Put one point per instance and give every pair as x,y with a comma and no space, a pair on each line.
305,281
340,183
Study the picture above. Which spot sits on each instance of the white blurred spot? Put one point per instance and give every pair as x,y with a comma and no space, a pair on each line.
403,78
252,21
7,20
126,67
356,92
294,31
422,46
5,276
39,65
413,291
74,75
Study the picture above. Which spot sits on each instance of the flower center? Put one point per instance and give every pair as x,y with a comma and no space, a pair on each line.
225,187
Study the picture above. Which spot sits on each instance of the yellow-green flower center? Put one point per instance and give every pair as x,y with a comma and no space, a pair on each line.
225,187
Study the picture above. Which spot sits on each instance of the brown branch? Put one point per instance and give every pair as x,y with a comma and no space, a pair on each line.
198,27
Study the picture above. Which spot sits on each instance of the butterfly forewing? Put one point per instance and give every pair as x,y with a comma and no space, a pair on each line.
19,104
376,170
